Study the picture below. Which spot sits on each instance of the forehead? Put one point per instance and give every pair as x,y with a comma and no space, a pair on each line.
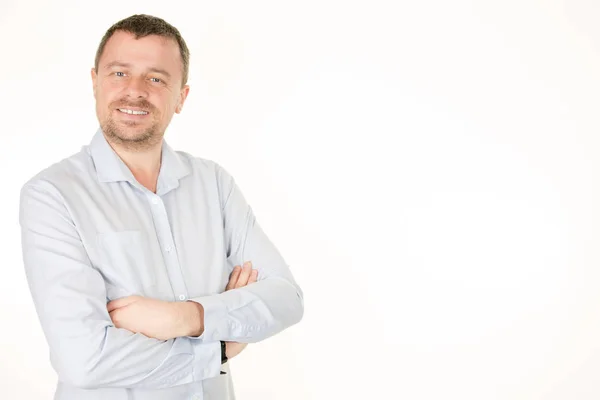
147,52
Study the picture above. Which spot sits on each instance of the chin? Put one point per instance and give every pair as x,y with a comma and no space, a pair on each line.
133,135
136,136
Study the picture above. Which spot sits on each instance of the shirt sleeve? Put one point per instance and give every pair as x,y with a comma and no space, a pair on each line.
259,310
69,295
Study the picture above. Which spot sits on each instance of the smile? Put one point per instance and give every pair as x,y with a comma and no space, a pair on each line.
133,112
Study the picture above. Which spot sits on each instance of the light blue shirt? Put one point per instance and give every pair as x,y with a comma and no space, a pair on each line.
91,233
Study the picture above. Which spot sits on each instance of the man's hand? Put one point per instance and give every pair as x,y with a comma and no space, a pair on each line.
157,319
240,277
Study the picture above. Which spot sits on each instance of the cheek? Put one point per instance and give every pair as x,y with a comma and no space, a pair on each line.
108,92
169,106
103,97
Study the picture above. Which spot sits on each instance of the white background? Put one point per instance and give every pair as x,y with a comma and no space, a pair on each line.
428,168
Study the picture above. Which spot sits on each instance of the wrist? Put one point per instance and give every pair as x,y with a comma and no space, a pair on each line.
193,318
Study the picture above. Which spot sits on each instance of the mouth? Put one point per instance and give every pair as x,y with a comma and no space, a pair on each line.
132,112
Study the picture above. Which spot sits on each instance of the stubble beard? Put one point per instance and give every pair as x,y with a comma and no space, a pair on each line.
117,134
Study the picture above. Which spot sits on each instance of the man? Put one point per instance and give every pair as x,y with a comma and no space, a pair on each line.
129,246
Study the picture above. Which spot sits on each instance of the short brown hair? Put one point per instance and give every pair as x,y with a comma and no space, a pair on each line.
142,25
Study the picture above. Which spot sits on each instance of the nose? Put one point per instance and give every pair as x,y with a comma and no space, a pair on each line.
136,88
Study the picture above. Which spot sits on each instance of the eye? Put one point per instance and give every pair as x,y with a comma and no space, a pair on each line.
119,73
156,80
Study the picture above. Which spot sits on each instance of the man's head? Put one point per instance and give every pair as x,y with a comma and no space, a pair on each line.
141,67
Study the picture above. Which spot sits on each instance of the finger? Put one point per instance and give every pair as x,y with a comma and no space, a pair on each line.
253,276
243,279
244,275
233,278
113,318
122,302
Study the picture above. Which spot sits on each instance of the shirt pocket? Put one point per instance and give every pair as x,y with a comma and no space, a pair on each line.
125,264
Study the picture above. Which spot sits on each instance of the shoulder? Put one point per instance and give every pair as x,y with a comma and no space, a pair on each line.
210,174
204,167
71,171
45,194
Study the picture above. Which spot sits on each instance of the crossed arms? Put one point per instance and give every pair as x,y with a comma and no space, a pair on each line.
166,320
89,350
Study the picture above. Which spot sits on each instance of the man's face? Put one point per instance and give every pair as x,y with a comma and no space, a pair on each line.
140,76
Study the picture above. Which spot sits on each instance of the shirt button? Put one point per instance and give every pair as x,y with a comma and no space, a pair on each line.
196,397
168,248
154,200
182,297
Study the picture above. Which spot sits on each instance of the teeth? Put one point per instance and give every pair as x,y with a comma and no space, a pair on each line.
135,112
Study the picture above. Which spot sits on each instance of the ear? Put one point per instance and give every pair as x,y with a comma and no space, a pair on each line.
94,80
182,96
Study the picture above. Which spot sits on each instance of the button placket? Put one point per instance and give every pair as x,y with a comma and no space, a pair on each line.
165,238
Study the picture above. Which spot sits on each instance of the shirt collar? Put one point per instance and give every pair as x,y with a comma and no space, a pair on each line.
110,167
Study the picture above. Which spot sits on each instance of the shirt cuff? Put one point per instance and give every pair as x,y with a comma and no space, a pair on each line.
215,319
207,359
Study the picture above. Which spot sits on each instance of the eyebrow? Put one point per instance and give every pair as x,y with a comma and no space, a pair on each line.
126,65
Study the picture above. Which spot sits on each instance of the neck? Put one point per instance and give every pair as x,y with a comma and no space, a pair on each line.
143,164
